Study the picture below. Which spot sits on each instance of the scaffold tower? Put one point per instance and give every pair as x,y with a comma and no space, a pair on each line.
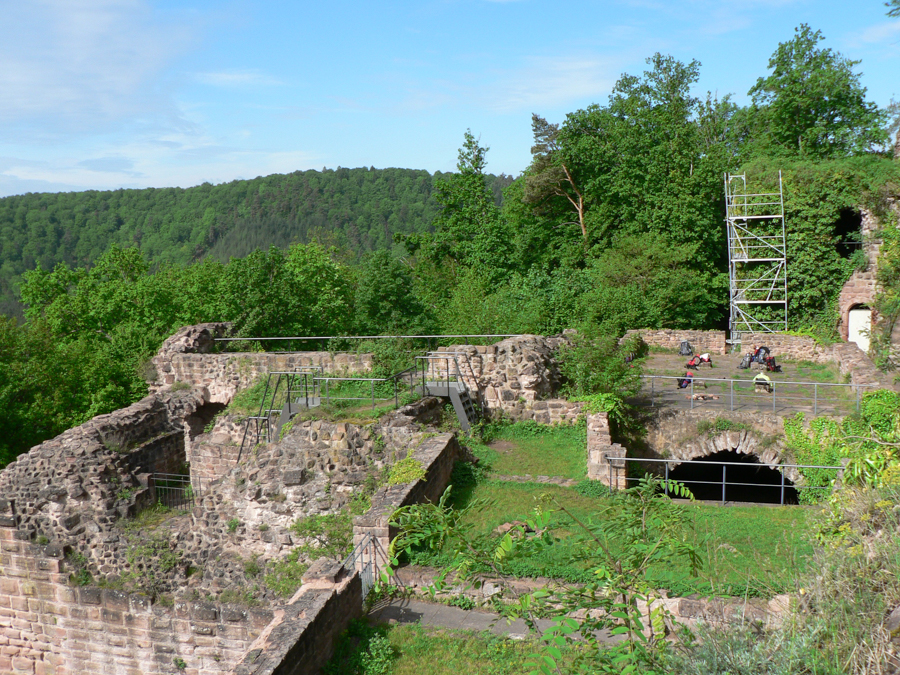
757,259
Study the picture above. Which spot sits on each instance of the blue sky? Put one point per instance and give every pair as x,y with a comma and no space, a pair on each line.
102,94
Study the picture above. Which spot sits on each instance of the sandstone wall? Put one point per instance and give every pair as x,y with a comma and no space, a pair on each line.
673,434
48,627
604,458
712,341
860,288
517,377
437,456
301,639
224,374
76,486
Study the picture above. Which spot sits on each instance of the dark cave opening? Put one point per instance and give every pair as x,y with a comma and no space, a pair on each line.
848,232
746,480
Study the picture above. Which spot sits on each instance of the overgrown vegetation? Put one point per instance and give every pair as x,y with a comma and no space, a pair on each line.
615,224
870,441
402,650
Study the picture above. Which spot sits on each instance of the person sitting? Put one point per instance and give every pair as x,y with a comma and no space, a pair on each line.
685,381
762,384
699,360
760,354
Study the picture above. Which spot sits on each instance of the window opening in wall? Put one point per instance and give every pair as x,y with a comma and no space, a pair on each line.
848,232
746,480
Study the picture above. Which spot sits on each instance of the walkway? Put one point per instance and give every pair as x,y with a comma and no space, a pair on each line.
403,611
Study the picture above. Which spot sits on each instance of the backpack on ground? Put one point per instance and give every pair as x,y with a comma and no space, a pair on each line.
685,349
771,366
745,362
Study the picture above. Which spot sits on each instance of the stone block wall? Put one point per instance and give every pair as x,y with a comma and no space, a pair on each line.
712,341
48,627
76,486
163,454
224,374
604,457
792,347
437,456
860,288
515,378
301,639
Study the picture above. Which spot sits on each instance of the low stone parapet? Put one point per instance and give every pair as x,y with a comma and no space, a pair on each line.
712,341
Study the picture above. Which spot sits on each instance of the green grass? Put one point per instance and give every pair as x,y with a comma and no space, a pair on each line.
521,449
417,650
753,550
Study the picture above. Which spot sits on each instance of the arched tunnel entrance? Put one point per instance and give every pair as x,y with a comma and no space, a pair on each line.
746,480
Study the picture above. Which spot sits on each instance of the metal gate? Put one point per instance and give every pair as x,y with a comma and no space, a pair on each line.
173,490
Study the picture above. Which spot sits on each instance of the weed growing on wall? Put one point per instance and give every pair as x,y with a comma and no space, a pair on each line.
407,470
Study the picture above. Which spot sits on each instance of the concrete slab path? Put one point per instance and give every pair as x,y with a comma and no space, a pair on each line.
404,611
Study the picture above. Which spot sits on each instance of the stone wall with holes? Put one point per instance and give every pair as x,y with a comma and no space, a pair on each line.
75,487
604,458
702,341
52,628
437,455
185,357
516,377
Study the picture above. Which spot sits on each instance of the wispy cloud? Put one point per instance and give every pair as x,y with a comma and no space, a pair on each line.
549,82
74,66
238,78
119,165
887,32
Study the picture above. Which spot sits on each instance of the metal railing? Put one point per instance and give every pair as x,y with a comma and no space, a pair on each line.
369,558
434,339
394,380
731,394
174,491
781,486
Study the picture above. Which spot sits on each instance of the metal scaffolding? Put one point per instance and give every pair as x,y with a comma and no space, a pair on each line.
757,259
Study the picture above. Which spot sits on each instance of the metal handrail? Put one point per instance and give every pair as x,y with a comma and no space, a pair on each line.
365,337
814,399
725,379
778,467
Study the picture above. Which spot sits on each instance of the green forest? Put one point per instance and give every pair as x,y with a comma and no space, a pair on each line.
617,223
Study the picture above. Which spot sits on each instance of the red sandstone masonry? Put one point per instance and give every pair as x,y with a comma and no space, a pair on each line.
49,627
712,341
437,455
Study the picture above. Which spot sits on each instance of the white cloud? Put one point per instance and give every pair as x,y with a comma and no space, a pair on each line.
887,32
75,66
237,78
549,82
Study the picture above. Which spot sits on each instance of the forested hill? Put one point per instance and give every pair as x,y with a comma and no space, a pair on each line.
357,210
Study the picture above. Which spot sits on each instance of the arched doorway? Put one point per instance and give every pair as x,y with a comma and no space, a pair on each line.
859,322
746,480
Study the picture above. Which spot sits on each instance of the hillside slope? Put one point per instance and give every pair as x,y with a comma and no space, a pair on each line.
356,209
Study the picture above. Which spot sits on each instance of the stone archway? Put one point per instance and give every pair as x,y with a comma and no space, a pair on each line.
859,322
745,479
754,442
